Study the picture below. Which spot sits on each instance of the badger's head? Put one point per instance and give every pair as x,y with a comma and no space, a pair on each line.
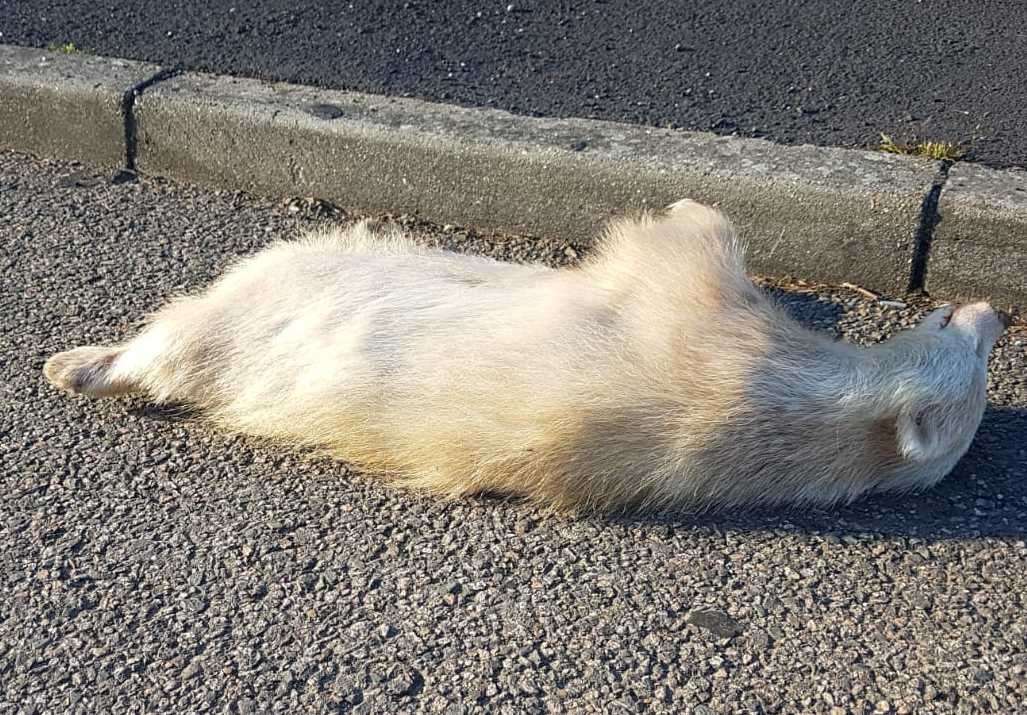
938,396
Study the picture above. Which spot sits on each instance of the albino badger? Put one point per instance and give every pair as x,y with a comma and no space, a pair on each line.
655,374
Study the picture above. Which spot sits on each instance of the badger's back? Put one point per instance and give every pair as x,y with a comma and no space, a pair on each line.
460,374
595,386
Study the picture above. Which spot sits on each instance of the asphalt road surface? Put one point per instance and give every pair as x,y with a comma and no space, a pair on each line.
150,564
830,72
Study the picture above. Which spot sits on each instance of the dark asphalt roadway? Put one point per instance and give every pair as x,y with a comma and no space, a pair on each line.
151,564
831,72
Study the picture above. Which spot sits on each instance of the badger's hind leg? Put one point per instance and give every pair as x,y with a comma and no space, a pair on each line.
152,362
169,360
91,370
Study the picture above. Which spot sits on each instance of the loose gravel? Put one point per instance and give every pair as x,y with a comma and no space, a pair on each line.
150,564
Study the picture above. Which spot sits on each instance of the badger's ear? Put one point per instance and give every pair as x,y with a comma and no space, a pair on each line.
917,431
937,319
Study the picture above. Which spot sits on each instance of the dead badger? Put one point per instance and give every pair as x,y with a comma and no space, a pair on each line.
655,374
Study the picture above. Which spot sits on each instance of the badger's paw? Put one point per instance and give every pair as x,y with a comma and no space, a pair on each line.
87,370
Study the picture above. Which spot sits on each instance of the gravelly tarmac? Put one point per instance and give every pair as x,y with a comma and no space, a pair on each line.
149,564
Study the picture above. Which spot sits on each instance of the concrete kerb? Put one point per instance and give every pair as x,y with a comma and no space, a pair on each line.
66,106
832,214
818,213
980,244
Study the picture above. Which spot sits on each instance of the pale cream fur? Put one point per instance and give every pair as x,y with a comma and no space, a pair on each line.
655,374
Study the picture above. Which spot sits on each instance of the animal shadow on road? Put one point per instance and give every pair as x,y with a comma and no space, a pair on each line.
169,412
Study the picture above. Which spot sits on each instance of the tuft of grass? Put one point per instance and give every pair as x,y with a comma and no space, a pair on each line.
65,48
938,151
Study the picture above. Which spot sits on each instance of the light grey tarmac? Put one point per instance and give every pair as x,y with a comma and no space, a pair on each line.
150,564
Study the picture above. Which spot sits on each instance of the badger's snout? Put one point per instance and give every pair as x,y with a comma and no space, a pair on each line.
980,312
981,321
